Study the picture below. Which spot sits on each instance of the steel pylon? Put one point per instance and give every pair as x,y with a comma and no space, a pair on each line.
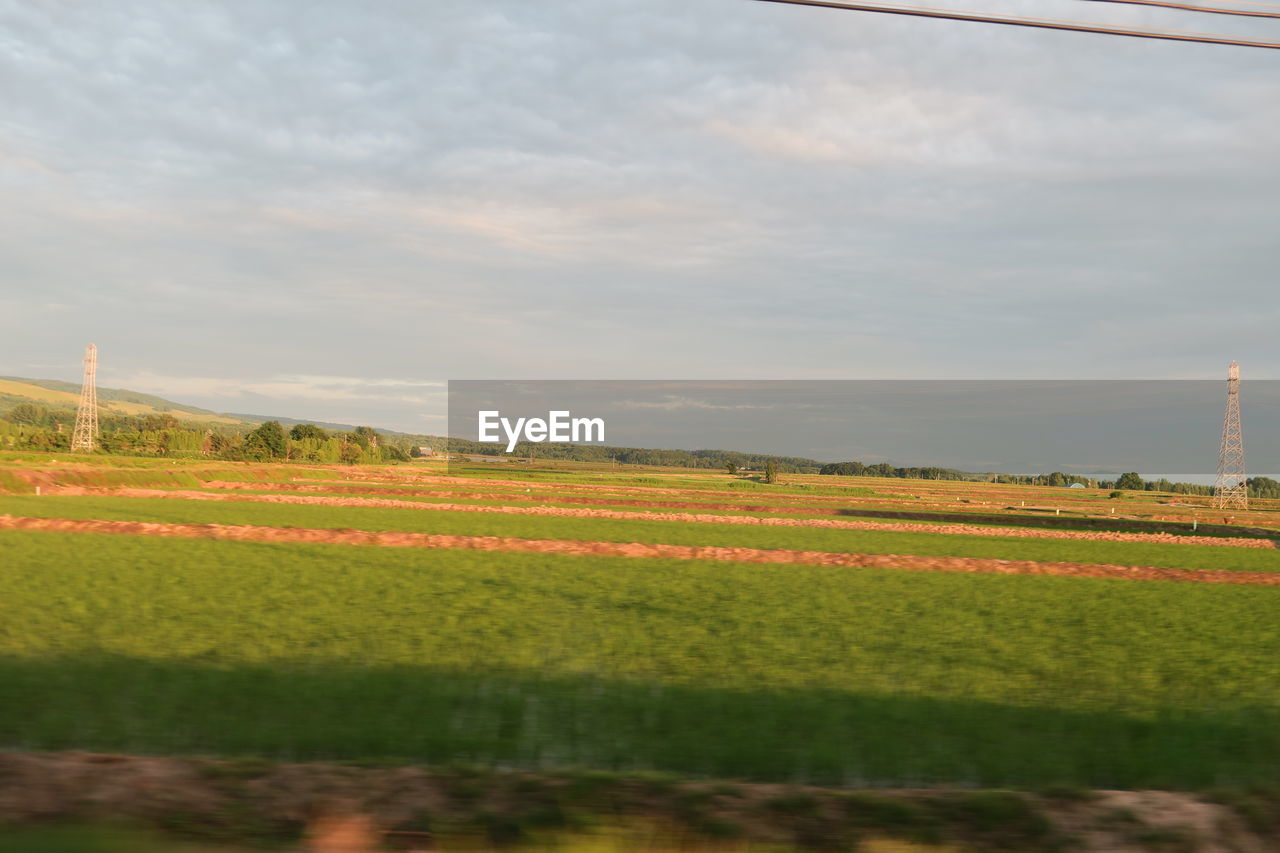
1231,489
84,438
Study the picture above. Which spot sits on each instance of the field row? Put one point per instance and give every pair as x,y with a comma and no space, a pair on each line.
719,668
257,533
534,616
1047,527
1027,503
629,530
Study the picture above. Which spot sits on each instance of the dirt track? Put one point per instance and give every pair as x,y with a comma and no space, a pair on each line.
248,533
702,518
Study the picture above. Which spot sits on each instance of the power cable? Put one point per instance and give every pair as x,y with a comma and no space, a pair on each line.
1212,10
1036,23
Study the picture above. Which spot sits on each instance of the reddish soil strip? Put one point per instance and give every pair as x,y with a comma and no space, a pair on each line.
249,533
701,518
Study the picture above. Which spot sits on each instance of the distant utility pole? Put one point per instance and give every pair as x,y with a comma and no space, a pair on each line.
1231,488
85,436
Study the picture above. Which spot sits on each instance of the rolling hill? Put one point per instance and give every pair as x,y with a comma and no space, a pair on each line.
56,394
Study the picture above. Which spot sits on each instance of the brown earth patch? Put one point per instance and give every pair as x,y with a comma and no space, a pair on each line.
333,807
701,518
250,533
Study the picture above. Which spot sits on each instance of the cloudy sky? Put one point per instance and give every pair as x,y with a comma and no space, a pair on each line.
325,209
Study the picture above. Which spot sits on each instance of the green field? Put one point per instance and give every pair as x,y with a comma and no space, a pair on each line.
172,510
766,672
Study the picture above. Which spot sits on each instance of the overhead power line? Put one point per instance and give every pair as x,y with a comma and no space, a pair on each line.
1252,3
1036,23
1212,10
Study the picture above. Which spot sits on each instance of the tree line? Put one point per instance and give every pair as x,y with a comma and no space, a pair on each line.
28,426
632,455
1259,487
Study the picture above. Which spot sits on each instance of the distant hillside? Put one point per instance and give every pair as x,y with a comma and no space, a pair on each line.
257,419
56,394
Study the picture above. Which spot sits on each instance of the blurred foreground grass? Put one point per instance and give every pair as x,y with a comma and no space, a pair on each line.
789,673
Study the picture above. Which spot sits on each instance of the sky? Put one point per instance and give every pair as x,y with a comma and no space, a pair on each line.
326,209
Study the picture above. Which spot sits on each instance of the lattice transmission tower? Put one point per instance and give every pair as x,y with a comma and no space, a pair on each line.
85,436
1231,488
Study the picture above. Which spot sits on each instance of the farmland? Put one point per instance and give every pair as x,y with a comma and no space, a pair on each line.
133,638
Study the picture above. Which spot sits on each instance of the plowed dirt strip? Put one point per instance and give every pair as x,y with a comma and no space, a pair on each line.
249,533
700,518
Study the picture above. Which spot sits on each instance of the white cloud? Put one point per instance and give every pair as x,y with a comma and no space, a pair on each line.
284,388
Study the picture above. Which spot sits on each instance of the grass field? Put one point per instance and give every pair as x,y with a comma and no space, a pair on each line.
767,672
617,530
805,672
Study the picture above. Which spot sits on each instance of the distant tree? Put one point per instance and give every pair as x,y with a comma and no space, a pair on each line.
305,431
229,447
392,453
1116,494
28,413
218,442
351,453
770,472
1263,487
364,436
1057,479
731,468
184,443
155,423
846,469
1132,481
265,442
